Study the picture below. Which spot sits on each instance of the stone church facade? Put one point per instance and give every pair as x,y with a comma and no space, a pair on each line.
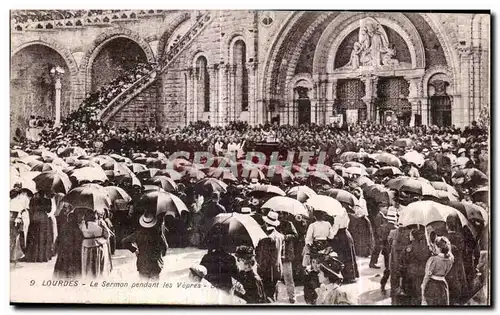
289,67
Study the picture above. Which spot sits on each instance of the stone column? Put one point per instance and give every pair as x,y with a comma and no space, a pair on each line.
476,71
331,94
189,95
196,97
370,82
253,112
223,93
214,94
57,73
415,97
316,92
461,108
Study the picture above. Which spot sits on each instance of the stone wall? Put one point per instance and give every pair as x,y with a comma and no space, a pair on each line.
279,45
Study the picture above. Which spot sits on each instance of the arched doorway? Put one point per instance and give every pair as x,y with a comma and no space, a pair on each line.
115,58
440,103
32,88
303,105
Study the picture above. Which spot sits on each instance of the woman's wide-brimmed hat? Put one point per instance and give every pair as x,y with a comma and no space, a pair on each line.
333,266
272,218
147,221
244,252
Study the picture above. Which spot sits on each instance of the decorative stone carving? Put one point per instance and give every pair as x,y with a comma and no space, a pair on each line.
373,47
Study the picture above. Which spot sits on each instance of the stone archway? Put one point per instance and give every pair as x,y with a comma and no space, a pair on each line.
346,22
32,87
172,26
94,49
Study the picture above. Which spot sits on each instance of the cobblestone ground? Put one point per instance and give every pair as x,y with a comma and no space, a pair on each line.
366,290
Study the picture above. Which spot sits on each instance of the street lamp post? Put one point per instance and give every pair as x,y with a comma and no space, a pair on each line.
57,72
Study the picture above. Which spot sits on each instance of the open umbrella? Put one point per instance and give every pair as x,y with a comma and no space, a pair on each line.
412,185
280,175
251,173
26,181
211,185
179,164
263,191
164,182
176,176
356,171
230,230
221,174
378,193
445,187
388,159
120,158
90,174
117,194
446,196
349,156
148,161
159,202
152,187
301,193
347,165
31,160
71,151
471,211
18,153
343,196
136,167
472,175
193,173
286,204
364,181
45,167
117,168
326,204
319,178
147,174
92,197
415,158
481,195
53,181
128,179
403,143
388,171
426,212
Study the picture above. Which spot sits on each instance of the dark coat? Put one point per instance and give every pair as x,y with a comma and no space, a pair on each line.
221,267
412,269
152,247
288,230
254,289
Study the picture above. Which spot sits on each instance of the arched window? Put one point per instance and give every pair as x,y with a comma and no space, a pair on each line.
239,60
203,79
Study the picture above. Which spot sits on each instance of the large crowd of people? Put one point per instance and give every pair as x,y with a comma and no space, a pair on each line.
348,192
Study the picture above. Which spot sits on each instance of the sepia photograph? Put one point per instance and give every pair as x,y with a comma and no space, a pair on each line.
250,157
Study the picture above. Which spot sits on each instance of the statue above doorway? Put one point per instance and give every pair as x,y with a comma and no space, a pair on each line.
372,48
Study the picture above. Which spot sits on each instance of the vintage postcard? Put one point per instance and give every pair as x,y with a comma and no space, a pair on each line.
218,157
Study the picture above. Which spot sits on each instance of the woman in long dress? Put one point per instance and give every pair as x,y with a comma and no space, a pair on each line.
343,245
40,232
435,287
96,254
68,247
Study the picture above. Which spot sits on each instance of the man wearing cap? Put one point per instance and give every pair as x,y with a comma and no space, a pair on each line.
412,266
150,246
269,254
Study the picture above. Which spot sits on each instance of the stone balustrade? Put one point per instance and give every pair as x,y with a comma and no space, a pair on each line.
123,98
85,20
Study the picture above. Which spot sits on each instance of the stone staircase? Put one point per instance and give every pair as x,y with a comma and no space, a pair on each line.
116,104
